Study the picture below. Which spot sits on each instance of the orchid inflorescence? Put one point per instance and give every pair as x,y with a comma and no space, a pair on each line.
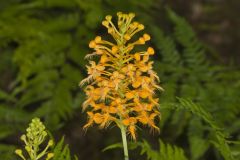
121,85
34,137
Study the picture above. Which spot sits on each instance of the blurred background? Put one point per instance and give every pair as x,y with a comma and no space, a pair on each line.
42,48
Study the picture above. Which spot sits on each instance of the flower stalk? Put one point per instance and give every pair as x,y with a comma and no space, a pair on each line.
124,141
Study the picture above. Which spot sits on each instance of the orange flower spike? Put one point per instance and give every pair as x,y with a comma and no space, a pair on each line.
121,84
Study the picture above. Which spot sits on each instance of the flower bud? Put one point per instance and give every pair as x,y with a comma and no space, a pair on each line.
28,148
98,39
18,151
50,155
146,37
105,23
141,26
108,18
150,51
50,143
119,13
141,40
92,44
23,137
135,24
131,15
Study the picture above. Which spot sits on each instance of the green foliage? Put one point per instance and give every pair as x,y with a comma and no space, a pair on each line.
113,146
186,72
193,52
7,151
166,152
45,78
219,138
62,152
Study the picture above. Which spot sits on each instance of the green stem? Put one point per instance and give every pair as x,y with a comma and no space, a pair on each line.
124,140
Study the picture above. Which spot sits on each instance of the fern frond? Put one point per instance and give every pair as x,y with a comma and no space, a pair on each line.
167,47
62,152
193,50
198,140
220,141
166,151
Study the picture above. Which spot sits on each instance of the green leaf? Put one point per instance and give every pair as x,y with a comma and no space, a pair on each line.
62,152
113,146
